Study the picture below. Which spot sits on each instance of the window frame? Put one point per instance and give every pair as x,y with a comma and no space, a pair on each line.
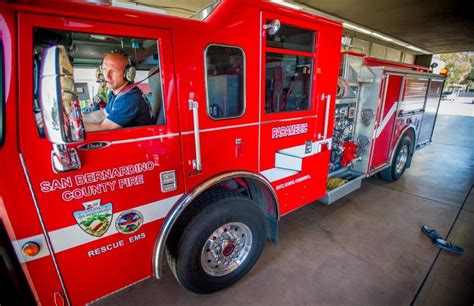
244,80
159,48
163,35
290,25
315,73
292,53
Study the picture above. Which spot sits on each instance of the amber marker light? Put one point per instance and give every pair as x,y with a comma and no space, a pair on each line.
443,71
30,249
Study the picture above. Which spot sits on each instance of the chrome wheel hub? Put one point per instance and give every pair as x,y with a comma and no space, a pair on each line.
226,249
401,159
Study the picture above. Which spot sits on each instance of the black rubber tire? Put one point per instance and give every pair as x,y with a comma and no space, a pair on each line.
391,174
213,210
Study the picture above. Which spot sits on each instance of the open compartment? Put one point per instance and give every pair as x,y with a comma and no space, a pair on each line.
341,184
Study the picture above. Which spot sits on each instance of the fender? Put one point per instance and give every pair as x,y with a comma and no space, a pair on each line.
187,199
402,133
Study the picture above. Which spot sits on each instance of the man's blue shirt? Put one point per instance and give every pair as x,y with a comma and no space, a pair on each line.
129,109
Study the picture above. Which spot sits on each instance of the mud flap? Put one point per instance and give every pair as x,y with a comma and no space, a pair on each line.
272,229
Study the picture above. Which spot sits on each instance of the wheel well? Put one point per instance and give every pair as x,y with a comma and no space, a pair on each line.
410,132
251,188
248,184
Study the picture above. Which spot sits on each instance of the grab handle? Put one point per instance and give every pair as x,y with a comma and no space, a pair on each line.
194,106
326,115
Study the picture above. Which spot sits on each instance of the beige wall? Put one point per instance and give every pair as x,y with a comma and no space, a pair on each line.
408,58
361,45
394,54
378,50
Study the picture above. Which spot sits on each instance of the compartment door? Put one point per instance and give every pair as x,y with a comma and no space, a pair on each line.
430,111
385,122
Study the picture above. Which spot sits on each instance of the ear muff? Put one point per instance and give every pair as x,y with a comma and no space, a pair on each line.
129,73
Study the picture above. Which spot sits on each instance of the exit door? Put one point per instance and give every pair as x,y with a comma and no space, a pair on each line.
386,115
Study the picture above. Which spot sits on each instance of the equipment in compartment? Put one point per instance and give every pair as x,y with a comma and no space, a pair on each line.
344,123
335,182
345,145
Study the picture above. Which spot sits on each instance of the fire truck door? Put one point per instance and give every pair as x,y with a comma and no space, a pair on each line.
103,218
387,113
430,111
294,153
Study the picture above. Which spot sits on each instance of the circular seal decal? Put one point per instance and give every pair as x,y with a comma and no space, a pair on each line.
129,221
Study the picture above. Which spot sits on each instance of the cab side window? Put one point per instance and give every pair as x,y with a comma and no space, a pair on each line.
289,65
86,52
225,81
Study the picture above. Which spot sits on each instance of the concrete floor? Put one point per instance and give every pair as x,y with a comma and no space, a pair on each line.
367,248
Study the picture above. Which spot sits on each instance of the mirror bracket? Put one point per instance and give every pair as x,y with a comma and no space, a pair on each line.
64,159
272,27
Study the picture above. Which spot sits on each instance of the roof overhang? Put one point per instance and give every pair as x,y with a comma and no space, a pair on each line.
436,26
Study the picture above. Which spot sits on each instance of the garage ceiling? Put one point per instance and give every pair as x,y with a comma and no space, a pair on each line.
438,26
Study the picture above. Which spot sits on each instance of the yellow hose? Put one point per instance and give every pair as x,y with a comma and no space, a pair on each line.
335,182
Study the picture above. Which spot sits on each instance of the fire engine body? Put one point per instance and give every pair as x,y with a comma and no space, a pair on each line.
213,169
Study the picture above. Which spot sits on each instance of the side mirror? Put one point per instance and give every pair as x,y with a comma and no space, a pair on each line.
60,108
59,103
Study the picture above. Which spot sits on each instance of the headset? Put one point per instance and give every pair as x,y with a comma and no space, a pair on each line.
129,71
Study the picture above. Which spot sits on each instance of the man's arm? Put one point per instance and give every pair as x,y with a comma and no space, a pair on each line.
97,116
97,121
104,125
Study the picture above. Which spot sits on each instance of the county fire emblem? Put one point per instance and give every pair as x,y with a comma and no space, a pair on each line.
129,221
95,219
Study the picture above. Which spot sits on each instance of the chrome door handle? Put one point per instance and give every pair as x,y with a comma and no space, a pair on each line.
194,106
326,115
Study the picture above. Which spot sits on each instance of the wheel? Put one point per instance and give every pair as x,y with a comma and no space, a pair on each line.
400,160
220,242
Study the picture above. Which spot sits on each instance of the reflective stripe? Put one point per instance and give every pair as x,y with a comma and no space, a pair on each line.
386,120
221,128
73,236
144,138
39,239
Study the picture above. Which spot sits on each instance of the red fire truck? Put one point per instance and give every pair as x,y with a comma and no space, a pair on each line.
256,114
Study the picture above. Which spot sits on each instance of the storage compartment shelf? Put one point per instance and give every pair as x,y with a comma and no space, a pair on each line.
354,181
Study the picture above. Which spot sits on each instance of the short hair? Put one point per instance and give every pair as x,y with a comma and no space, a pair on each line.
119,52
129,69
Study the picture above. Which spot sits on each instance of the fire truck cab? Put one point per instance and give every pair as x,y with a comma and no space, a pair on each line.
251,117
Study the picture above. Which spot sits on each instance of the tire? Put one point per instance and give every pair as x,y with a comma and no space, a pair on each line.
220,242
400,161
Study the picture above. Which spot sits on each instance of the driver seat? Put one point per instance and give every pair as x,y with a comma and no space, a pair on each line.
156,96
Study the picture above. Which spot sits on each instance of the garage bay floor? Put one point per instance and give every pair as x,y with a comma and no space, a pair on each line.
367,248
